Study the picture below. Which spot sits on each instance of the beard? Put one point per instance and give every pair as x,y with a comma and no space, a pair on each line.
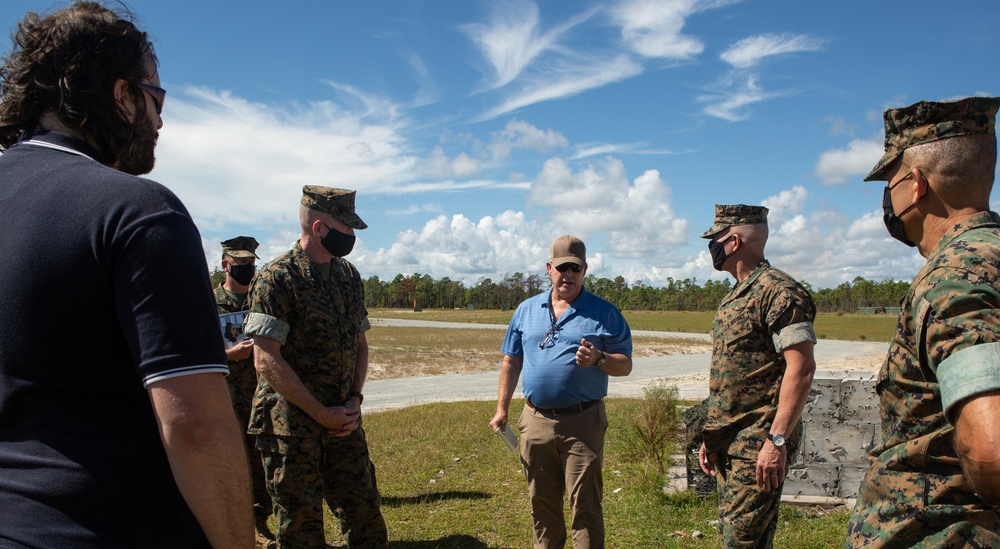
138,153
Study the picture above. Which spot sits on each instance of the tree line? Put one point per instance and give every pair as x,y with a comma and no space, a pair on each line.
507,291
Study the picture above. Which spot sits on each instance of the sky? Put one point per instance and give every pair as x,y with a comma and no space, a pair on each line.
476,132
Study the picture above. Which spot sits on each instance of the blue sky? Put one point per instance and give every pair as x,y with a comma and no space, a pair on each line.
476,132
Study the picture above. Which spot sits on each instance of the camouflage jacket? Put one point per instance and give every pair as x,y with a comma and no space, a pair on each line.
763,315
242,375
914,493
317,319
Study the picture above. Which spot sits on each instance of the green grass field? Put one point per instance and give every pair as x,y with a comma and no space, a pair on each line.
828,326
448,482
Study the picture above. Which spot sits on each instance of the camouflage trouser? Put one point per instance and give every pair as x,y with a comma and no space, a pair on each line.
747,516
303,472
261,499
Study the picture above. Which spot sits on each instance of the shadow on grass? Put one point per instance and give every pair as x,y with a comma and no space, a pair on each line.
389,501
457,541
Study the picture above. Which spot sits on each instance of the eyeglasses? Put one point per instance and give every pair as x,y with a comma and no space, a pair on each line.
159,95
550,336
569,267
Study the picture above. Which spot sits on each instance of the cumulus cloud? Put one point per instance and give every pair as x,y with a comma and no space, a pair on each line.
839,166
462,249
749,51
599,198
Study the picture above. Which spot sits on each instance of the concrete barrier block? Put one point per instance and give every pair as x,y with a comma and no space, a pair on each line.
859,402
840,443
850,480
823,403
812,480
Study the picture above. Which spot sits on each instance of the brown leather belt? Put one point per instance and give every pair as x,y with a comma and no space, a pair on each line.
563,411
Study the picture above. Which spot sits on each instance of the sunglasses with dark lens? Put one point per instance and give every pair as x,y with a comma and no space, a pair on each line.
159,95
569,267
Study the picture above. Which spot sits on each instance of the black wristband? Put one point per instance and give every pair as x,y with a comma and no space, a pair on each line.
361,397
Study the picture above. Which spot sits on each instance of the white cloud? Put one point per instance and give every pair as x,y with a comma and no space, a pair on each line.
234,161
749,51
462,249
786,204
731,104
512,39
518,134
839,166
565,78
440,166
638,217
653,28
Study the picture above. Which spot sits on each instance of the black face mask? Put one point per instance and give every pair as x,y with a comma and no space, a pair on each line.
242,274
337,243
893,222
718,251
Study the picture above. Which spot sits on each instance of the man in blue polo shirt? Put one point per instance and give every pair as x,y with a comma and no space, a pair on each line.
566,342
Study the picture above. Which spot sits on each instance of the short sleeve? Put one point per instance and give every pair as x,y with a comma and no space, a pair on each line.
164,299
511,345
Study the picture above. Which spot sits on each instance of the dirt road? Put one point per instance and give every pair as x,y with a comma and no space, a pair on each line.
688,372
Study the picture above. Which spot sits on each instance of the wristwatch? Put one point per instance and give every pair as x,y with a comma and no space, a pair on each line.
352,394
776,439
600,361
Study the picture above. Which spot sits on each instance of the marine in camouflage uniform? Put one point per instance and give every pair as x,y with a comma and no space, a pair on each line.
238,255
766,319
308,308
938,385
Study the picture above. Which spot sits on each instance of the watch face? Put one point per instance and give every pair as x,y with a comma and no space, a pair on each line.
778,440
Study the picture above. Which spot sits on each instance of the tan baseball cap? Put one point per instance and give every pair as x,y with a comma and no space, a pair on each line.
568,249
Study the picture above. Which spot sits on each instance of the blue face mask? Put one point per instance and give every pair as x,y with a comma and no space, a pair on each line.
337,243
718,251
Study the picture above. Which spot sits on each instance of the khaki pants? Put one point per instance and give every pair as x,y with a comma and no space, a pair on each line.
563,454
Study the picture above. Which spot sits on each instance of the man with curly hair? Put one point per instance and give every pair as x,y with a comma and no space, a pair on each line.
129,439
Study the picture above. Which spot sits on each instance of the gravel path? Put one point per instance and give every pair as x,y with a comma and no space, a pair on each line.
689,372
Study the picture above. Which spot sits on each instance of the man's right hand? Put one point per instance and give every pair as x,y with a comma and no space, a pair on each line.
707,460
341,420
499,421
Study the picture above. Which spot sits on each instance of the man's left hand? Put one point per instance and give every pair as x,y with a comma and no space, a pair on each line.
771,466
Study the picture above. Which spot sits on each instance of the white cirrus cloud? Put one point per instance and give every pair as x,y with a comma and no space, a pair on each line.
749,51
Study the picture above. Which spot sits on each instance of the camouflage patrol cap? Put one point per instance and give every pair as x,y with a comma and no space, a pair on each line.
240,247
337,202
928,121
727,215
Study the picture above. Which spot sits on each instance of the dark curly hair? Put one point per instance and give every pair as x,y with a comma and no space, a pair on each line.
67,63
